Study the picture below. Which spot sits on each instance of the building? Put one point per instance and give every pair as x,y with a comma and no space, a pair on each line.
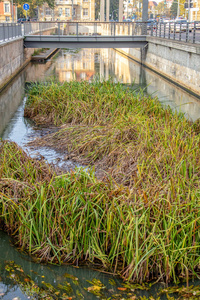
129,9
7,10
69,10
195,11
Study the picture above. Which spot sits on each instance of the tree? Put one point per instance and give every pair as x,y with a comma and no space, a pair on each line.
174,8
33,6
114,5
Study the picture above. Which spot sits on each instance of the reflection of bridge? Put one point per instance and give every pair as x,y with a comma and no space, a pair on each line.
95,34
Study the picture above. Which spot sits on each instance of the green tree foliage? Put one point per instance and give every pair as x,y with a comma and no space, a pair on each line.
174,8
114,5
33,6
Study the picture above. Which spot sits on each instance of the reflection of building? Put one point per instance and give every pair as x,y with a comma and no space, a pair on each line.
65,10
7,10
80,66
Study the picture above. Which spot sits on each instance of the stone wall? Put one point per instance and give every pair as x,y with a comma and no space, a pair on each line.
174,60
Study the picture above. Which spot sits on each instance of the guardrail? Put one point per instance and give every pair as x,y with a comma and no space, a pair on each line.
188,32
9,31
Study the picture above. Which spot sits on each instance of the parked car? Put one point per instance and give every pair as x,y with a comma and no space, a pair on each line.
181,25
21,20
127,20
150,23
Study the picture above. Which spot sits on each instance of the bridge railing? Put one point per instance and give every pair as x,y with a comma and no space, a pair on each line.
40,28
188,32
85,28
10,31
185,32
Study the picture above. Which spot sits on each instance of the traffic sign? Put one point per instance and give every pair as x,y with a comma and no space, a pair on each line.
26,6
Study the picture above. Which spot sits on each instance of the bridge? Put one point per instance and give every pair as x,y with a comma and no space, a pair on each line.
96,34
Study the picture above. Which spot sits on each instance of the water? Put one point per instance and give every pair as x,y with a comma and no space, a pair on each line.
82,64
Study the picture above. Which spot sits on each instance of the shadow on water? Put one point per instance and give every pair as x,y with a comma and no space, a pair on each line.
79,65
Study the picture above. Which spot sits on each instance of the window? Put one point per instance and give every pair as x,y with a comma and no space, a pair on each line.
6,7
48,11
7,19
85,12
60,11
67,12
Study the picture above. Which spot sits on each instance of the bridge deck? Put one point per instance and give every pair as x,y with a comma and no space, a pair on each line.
63,41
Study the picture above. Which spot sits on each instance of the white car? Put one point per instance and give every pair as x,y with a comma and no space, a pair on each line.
181,25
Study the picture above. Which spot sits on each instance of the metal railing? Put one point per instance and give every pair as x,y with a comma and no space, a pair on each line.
40,28
188,32
9,31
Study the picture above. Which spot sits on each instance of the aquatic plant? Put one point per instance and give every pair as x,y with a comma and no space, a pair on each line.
141,219
74,218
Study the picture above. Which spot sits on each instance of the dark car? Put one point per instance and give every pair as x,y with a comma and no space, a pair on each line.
21,20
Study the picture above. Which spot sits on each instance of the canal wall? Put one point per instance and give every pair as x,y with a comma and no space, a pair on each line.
178,62
14,57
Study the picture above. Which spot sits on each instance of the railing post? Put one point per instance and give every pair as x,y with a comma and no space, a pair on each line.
151,28
187,32
180,32
58,28
8,32
160,30
169,33
4,36
77,28
156,29
174,30
95,28
164,29
194,33
114,29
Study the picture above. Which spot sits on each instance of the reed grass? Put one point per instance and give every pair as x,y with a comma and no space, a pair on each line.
75,217
141,221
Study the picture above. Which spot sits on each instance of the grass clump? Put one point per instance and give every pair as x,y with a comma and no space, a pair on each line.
141,221
74,217
81,102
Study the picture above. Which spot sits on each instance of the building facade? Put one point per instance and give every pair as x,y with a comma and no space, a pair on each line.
69,10
195,11
7,11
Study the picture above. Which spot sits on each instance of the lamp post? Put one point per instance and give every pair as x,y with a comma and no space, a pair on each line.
12,11
178,8
72,10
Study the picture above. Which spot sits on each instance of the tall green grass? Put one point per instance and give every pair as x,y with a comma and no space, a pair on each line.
74,217
142,219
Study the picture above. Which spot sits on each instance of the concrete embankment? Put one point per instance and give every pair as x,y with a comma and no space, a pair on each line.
13,58
176,61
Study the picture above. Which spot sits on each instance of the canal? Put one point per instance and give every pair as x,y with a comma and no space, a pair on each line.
19,275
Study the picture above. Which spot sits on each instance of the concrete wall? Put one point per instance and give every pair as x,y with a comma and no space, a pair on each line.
177,61
13,58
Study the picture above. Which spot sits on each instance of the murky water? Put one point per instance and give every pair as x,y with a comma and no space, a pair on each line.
83,64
